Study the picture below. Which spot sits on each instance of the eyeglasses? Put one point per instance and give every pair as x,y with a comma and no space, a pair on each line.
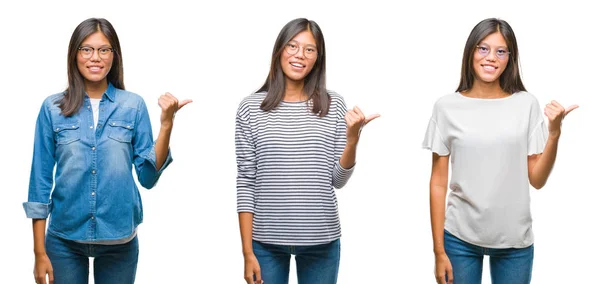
293,47
87,52
501,53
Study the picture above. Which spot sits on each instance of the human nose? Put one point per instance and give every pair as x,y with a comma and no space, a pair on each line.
95,55
300,53
491,56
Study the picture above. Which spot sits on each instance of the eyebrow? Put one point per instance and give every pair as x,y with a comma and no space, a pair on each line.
489,45
310,44
102,46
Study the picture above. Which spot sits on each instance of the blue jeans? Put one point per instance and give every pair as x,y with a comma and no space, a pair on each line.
314,264
511,265
112,263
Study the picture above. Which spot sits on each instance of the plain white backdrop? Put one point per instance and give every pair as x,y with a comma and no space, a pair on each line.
394,59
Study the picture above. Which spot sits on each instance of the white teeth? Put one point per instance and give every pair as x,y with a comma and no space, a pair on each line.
297,65
489,68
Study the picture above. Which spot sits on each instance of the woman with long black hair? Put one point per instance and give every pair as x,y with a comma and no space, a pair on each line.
93,132
494,134
295,143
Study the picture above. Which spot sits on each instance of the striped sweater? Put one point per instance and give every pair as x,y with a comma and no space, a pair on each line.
288,167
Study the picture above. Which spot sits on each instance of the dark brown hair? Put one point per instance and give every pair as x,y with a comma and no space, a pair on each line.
510,79
314,82
75,92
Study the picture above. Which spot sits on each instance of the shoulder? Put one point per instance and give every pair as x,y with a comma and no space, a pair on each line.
446,101
128,99
52,101
526,97
336,99
252,101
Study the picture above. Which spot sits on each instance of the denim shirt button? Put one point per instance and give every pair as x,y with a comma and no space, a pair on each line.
91,126
93,193
92,217
93,171
93,148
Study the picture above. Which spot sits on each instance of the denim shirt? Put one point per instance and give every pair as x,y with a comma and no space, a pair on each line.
92,195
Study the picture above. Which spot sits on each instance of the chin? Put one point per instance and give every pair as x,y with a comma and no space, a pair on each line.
95,78
488,79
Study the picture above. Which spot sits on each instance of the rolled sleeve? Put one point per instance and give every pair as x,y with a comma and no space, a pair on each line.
144,153
36,210
41,178
341,175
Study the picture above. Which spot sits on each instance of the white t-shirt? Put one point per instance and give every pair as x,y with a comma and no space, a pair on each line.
488,141
95,109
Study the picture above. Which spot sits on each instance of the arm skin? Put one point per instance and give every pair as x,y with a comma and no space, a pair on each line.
438,187
539,166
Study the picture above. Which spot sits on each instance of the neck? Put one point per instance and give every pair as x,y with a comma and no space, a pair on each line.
485,90
95,90
294,91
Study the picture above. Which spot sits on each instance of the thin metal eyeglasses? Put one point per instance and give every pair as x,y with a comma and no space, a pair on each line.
88,51
293,47
501,53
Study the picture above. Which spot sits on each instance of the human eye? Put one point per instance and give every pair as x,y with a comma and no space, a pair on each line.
311,50
483,48
104,50
86,49
292,45
502,51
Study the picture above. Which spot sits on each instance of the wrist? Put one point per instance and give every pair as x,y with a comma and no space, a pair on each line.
439,251
554,134
39,253
351,141
166,125
247,253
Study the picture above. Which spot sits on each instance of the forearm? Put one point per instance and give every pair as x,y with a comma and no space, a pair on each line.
161,146
39,236
245,219
543,166
348,158
437,207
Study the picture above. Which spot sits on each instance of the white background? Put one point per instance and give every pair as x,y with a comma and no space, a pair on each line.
394,60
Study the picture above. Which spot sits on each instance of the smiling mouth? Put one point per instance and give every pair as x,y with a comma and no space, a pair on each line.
95,68
297,65
489,67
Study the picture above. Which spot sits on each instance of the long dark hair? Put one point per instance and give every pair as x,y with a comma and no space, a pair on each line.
510,80
314,82
75,92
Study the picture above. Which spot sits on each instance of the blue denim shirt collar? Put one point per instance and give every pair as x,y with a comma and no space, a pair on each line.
110,92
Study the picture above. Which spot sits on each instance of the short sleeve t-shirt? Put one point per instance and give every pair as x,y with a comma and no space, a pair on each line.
488,141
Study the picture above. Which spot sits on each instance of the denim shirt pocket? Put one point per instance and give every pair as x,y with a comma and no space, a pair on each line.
66,133
121,130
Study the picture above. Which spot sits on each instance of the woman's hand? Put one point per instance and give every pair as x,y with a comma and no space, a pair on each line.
443,269
169,105
252,270
355,121
556,113
41,268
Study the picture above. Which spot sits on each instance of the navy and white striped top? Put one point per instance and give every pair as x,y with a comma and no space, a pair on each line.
288,166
